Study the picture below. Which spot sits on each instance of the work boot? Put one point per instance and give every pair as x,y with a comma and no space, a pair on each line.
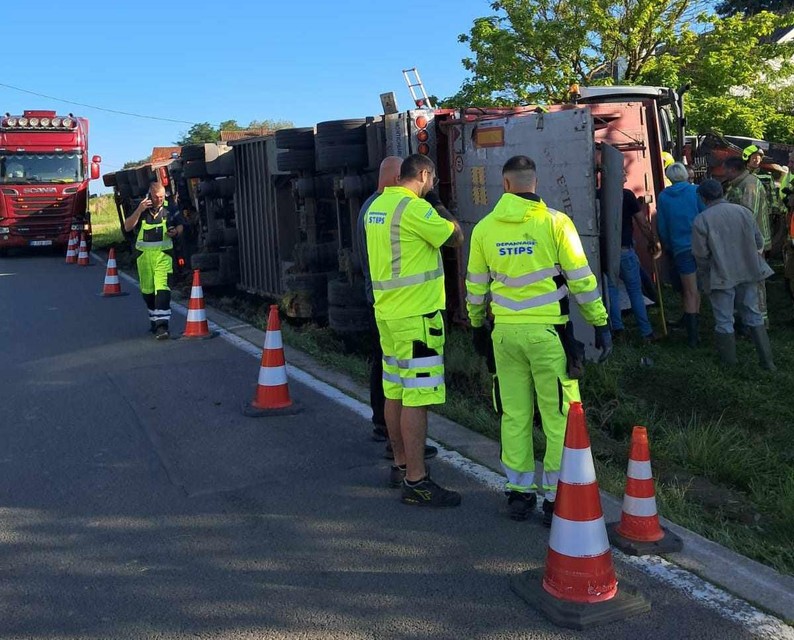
762,346
430,452
396,476
548,512
521,504
427,493
161,333
726,347
692,322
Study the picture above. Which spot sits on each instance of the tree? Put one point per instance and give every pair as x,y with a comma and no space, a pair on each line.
532,50
198,134
752,7
135,163
273,125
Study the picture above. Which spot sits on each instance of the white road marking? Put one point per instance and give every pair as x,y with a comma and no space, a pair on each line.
761,624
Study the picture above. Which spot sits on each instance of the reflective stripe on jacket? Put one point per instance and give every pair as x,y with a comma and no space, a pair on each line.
404,234
154,236
527,259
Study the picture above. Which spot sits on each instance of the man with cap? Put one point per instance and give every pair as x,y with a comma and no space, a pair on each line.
727,245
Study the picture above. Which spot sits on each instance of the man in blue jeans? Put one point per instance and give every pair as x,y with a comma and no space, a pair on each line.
630,267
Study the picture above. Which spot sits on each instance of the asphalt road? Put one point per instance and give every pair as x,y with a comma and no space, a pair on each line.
136,501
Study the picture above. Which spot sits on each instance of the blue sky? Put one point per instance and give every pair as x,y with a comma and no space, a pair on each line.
302,61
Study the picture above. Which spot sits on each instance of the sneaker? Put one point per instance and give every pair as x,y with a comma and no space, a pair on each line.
161,333
521,504
380,434
548,512
396,477
430,452
428,494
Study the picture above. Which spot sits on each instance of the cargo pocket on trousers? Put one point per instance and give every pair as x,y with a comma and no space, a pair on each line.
434,331
567,392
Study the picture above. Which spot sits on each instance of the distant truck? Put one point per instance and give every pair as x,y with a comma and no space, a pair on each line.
44,175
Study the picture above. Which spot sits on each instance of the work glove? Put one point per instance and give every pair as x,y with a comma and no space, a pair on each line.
481,337
433,198
603,341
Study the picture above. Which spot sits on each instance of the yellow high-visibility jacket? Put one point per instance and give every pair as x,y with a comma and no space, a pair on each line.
404,234
527,258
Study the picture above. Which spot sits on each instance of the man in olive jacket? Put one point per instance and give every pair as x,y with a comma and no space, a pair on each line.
728,246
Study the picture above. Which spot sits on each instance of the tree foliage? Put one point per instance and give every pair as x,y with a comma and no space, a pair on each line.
751,7
205,132
530,51
135,163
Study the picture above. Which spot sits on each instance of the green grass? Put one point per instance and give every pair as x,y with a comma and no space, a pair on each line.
105,221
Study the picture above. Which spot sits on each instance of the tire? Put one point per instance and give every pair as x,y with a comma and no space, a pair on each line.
218,188
296,160
316,257
144,176
109,179
192,152
342,132
348,319
125,191
229,265
214,238
212,278
194,169
205,261
343,294
340,156
314,282
223,165
231,237
295,139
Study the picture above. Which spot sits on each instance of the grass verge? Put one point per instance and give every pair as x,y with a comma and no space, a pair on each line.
105,222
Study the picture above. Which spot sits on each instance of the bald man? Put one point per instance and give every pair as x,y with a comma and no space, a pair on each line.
389,176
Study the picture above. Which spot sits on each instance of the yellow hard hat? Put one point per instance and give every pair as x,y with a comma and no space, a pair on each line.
748,151
667,159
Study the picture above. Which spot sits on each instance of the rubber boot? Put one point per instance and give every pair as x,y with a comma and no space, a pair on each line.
692,322
726,347
762,346
678,324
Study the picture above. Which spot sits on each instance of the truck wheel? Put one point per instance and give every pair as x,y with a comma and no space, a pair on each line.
212,278
109,179
296,160
223,165
295,139
314,282
229,266
194,169
231,237
341,132
316,257
352,156
348,319
343,294
192,152
205,261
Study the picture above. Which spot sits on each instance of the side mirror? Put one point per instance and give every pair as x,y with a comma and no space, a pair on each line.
95,170
96,159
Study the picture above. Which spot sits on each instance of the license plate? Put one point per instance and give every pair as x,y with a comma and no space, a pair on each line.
40,243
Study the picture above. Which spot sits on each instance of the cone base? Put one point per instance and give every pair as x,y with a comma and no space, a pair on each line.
670,543
251,411
208,336
113,295
627,602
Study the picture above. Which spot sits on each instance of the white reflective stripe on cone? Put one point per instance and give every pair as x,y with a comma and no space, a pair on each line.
273,340
112,264
578,539
639,470
196,315
577,466
272,376
642,507
196,292
112,280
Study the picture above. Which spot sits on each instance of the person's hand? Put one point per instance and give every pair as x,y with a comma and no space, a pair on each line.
481,337
173,232
145,203
603,341
433,199
655,249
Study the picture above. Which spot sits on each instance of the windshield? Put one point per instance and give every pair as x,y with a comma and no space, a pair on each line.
26,168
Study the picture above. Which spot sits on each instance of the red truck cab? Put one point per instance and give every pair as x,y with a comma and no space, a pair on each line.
44,174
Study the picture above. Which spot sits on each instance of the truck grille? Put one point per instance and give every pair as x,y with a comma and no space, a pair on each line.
40,215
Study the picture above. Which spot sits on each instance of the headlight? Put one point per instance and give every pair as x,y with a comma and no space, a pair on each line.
23,122
67,122
4,230
11,122
45,122
34,122
56,122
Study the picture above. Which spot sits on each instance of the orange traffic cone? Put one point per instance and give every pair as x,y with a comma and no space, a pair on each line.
638,532
272,390
82,256
579,588
112,286
197,326
71,248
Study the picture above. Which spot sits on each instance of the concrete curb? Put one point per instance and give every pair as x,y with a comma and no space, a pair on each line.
745,578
